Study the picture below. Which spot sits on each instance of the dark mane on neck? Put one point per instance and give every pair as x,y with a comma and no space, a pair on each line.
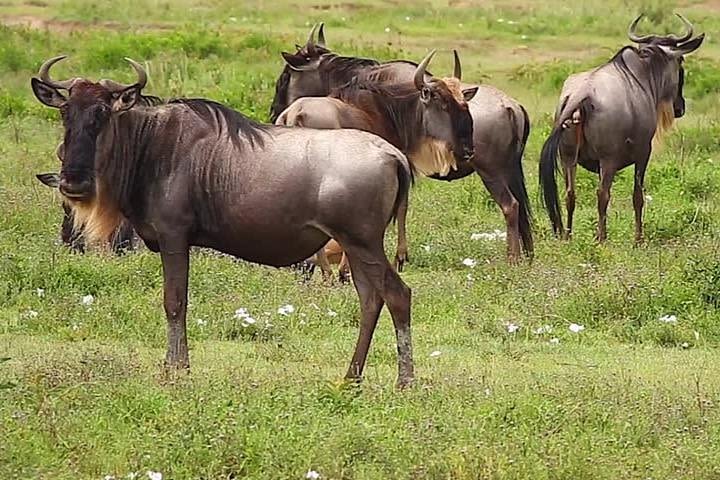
652,56
216,115
150,101
281,90
344,68
395,103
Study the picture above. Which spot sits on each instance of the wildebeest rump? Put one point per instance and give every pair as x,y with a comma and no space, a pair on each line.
500,127
607,118
428,120
193,172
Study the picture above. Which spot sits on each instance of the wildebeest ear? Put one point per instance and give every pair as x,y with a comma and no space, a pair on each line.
125,99
469,93
296,62
47,94
52,180
689,46
425,94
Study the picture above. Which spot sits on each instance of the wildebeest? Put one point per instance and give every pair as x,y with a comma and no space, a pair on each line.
331,253
607,119
123,238
428,120
193,172
500,126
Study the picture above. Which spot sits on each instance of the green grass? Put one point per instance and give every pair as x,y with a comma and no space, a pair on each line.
82,394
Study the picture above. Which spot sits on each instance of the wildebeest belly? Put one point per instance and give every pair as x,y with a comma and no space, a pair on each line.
279,248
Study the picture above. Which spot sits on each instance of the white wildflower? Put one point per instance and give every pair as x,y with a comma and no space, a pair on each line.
132,475
469,262
109,477
233,19
512,327
501,20
436,353
668,319
488,392
469,277
154,475
387,29
543,329
426,248
31,314
332,313
87,300
312,475
247,321
489,236
460,25
75,327
201,322
648,198
554,341
697,335
407,19
575,328
40,292
241,313
523,37
286,310
685,345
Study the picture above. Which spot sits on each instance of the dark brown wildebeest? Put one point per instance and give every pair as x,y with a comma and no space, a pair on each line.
428,120
500,127
195,173
122,239
607,119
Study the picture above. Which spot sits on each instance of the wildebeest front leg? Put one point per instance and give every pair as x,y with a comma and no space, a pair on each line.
373,265
570,174
606,178
175,262
639,199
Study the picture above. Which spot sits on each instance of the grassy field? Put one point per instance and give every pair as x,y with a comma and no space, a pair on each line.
633,395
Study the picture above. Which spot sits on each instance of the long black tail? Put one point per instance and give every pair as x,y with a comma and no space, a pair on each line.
548,182
519,191
578,111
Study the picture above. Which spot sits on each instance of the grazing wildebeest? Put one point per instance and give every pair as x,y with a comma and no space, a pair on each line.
428,120
607,119
193,172
331,253
500,127
122,239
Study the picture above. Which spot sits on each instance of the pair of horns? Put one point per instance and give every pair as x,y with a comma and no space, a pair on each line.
111,85
419,77
311,43
632,33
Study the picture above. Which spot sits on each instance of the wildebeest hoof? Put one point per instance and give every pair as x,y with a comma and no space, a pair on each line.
400,260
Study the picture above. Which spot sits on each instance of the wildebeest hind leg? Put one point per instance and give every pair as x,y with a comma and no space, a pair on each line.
607,174
371,265
570,170
370,305
510,207
324,264
175,262
402,246
639,198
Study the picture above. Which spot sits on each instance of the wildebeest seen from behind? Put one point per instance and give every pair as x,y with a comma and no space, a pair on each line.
607,119
500,127
123,238
428,120
195,173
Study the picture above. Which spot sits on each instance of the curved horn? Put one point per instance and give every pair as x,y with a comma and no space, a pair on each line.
458,69
141,73
419,77
321,36
114,86
688,34
44,74
310,44
633,36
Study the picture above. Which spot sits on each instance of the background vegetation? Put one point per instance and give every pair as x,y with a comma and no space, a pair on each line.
632,395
